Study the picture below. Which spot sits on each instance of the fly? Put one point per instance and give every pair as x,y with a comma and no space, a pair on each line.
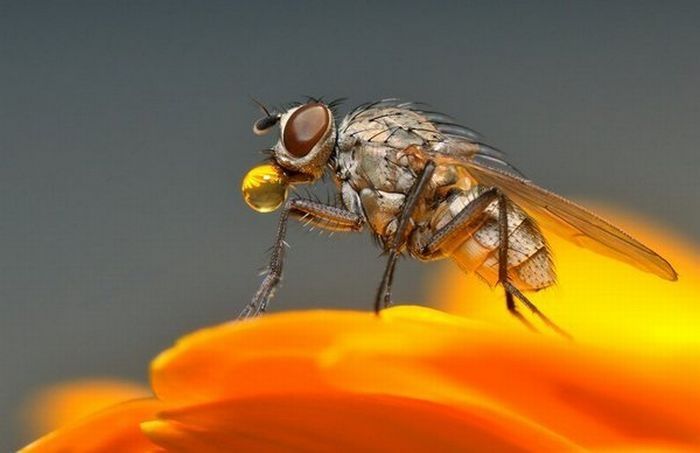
428,188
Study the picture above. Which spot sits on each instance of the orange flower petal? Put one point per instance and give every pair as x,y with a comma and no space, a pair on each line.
114,429
295,351
60,404
596,399
238,359
365,376
343,422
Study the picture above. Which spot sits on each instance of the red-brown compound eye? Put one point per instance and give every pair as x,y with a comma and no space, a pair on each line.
305,128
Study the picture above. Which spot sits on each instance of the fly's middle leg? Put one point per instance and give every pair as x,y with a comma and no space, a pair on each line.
320,215
395,244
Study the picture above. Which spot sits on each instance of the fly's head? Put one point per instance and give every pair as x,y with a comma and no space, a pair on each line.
307,138
306,141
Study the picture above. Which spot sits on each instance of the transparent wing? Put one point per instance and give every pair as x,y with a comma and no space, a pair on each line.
570,220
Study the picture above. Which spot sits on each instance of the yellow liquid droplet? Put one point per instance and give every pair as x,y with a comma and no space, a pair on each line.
264,187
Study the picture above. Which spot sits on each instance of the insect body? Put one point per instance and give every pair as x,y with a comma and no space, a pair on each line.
425,187
381,154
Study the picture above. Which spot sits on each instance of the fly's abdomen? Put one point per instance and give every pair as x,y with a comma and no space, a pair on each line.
529,260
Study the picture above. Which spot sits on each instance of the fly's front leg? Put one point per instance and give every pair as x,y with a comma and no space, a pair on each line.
394,245
319,214
273,272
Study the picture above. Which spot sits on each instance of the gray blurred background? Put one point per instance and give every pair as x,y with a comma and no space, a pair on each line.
125,129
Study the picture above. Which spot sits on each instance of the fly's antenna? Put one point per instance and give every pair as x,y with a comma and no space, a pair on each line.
264,124
261,105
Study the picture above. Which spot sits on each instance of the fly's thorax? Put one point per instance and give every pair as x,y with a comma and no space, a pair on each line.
381,151
377,146
382,210
392,126
375,166
378,179
375,179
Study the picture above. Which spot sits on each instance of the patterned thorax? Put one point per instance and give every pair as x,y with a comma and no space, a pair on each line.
378,157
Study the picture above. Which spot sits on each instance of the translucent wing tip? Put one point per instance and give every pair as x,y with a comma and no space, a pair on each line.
667,271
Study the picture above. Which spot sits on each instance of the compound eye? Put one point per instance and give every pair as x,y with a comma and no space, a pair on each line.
305,128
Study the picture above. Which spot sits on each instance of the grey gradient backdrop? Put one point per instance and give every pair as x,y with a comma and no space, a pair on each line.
125,130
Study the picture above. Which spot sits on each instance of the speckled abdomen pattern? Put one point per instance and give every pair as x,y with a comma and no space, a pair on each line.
530,265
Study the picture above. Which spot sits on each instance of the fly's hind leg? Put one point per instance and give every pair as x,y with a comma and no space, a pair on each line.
318,214
463,221
503,279
503,264
393,247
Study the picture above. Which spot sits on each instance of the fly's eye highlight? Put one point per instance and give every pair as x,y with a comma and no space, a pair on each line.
305,128
264,187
